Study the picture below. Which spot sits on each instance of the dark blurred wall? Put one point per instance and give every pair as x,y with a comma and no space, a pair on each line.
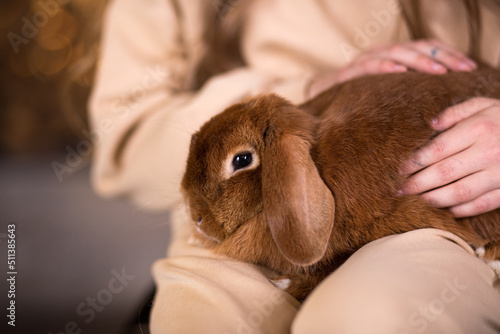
47,56
69,242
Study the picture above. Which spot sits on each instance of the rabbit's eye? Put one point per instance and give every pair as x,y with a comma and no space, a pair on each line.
242,160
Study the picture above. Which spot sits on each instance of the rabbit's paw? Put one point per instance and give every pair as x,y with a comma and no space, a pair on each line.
490,254
298,285
495,265
282,282
480,252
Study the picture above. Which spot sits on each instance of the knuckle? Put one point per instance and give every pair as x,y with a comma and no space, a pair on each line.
445,172
486,127
494,154
424,60
482,205
463,193
472,105
437,148
411,186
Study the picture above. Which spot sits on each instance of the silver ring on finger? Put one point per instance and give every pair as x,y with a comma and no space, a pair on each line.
434,52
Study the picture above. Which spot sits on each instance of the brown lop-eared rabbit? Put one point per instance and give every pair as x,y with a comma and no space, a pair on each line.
298,189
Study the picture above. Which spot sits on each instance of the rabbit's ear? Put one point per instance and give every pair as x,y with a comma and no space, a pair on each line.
298,206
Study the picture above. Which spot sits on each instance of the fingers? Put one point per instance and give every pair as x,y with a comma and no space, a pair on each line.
459,168
370,65
467,197
472,194
446,55
418,57
458,112
408,56
460,192
454,139
444,145
356,69
429,56
484,203
441,173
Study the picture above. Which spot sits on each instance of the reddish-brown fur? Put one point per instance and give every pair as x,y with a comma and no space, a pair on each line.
327,174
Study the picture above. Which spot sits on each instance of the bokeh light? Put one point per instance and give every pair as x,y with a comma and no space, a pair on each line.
46,70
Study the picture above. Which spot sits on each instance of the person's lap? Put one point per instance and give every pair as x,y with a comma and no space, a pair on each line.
425,281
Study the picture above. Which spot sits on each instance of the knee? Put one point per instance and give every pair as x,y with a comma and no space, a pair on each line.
351,305
400,286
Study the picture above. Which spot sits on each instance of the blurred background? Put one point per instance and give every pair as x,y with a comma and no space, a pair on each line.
83,263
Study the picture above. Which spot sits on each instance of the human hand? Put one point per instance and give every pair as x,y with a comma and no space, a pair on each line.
460,168
430,55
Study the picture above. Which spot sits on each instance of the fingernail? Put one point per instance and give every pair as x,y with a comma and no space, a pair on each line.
434,121
465,66
400,68
400,193
438,68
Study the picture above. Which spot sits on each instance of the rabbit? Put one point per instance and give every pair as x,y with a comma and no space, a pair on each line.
298,189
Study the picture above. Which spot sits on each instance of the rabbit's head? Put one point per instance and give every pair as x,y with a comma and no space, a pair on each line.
253,161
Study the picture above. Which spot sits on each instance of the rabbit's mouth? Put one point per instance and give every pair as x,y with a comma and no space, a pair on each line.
205,235
211,228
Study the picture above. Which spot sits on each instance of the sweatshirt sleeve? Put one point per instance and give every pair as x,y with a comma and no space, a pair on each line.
141,117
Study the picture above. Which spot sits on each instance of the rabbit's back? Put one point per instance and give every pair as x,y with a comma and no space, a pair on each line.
370,126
